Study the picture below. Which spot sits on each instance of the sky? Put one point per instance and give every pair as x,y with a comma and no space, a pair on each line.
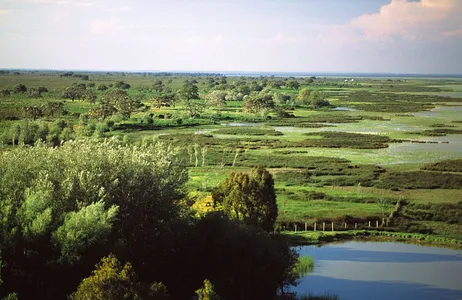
340,36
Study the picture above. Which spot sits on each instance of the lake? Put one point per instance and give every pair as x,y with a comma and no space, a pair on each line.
371,270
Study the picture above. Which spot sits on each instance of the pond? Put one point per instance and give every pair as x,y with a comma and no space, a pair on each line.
357,270
453,111
341,108
242,124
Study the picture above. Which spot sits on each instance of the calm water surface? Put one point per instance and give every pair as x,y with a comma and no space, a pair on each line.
356,270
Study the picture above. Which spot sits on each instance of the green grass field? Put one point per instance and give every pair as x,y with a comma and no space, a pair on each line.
329,164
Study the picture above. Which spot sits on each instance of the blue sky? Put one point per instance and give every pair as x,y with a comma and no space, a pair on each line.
396,36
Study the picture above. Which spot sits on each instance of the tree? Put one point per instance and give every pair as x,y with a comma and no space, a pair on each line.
293,84
33,112
77,91
162,100
316,100
189,91
194,109
216,99
317,103
303,96
53,109
34,93
187,94
19,88
105,110
158,86
102,87
64,208
257,103
276,84
89,95
234,96
115,101
42,89
207,292
249,198
122,85
110,280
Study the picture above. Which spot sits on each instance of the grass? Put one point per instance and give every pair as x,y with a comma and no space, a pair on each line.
248,131
328,165
454,165
300,238
421,180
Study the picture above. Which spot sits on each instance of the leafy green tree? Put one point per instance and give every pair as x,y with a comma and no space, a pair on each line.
316,100
33,112
42,89
34,93
234,96
115,101
216,99
257,103
276,84
102,87
105,110
83,228
159,101
109,281
121,85
158,86
188,92
19,88
303,96
293,84
89,95
53,109
317,103
75,91
79,91
249,198
5,93
207,292
63,208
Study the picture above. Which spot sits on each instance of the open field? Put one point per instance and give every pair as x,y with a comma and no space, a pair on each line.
379,141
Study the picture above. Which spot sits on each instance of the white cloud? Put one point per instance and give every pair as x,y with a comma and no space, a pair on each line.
425,19
4,12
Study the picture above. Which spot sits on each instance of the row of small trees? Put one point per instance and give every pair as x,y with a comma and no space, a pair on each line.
22,89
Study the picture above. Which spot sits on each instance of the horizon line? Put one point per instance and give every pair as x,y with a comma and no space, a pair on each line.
224,72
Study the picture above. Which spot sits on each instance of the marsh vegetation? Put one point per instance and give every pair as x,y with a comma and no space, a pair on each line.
142,166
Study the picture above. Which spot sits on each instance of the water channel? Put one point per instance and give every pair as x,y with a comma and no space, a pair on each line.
371,270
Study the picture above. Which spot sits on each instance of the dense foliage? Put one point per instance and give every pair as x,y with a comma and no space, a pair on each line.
63,209
249,198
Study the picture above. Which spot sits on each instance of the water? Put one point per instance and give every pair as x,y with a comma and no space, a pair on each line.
241,124
340,108
442,111
448,147
356,270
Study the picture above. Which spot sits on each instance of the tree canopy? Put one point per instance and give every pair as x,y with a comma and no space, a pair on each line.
61,207
249,198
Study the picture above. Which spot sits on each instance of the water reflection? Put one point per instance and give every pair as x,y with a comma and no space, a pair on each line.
383,271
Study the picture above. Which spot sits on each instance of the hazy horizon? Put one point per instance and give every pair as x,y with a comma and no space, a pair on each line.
294,36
